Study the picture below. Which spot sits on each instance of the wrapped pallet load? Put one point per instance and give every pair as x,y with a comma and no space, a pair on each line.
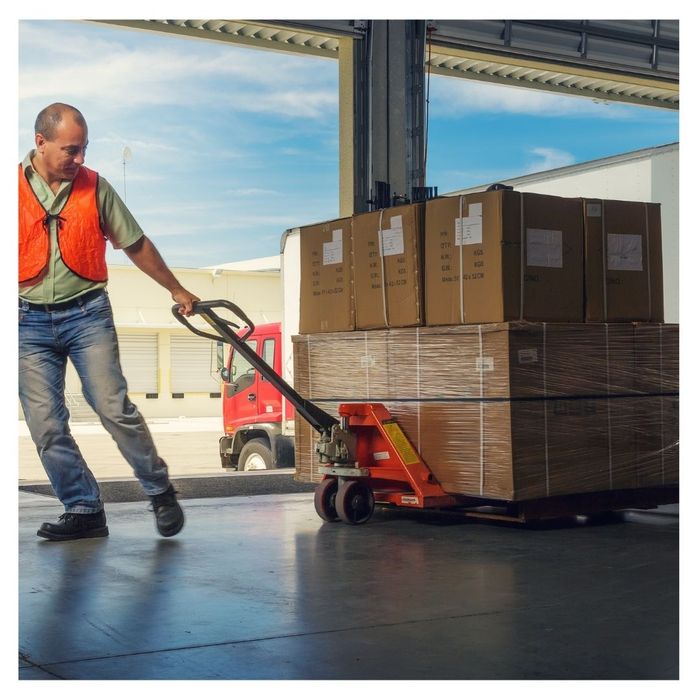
538,365
510,411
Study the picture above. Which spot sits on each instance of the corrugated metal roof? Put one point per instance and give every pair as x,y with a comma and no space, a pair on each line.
504,65
555,78
258,35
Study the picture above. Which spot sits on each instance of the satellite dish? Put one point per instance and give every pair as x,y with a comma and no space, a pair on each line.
126,154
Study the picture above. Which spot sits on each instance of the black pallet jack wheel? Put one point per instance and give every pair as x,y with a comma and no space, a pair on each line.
354,502
324,500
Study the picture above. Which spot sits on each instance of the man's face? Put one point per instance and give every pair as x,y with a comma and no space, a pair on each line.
62,156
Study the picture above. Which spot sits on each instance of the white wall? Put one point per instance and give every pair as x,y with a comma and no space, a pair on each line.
139,302
141,306
625,180
665,189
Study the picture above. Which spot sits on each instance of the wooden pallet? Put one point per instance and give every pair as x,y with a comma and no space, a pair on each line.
571,505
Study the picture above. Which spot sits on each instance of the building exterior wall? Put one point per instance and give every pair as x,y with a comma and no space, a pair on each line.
143,308
665,189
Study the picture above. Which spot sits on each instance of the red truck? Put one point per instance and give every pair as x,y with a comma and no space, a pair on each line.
254,412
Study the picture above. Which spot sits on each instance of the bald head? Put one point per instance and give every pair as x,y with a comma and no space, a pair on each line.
51,117
61,139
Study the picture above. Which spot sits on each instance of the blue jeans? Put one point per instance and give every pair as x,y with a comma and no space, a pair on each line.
85,333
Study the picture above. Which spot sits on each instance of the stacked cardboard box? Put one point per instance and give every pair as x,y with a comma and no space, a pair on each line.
492,326
363,272
511,411
624,271
387,255
326,289
502,256
484,258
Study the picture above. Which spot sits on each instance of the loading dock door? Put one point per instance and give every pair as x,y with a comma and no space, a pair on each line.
138,354
193,365
139,360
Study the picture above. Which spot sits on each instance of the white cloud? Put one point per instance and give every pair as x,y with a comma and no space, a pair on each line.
549,159
538,159
458,97
290,103
245,222
124,78
253,192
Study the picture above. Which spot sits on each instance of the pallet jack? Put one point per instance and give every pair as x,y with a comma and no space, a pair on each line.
365,456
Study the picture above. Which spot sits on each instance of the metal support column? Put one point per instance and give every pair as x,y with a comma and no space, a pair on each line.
346,125
389,107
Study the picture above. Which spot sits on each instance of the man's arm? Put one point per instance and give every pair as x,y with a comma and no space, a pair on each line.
147,258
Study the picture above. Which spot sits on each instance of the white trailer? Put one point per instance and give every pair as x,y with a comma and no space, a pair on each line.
290,270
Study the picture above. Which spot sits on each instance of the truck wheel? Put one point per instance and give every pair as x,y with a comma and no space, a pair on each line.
255,455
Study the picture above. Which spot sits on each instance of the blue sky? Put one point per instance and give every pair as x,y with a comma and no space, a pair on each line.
231,146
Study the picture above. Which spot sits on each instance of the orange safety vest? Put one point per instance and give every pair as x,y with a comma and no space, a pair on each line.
81,241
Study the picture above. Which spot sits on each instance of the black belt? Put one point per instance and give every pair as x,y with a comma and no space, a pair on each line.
62,305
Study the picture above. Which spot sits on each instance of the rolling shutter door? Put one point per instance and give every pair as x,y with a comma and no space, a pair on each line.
138,354
139,359
193,365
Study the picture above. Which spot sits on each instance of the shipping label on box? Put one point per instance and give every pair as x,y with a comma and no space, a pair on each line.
333,249
392,239
544,248
625,252
469,229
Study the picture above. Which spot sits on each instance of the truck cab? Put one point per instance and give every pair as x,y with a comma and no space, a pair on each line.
254,412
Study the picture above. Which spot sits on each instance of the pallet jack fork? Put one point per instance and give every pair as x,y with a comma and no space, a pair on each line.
364,456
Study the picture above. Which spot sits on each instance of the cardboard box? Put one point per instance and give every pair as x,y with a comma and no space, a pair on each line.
502,256
387,250
326,291
623,268
510,411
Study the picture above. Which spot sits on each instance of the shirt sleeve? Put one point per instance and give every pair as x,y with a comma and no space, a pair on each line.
117,221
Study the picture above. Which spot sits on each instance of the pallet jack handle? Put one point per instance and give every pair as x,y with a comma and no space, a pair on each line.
317,417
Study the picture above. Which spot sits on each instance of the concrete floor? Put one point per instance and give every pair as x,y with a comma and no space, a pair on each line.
259,588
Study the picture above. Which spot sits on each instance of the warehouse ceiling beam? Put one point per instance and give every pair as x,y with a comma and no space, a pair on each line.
640,54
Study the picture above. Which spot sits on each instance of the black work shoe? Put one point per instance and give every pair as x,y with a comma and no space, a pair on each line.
75,526
169,515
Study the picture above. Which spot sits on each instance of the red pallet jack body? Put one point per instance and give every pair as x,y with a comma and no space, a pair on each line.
387,470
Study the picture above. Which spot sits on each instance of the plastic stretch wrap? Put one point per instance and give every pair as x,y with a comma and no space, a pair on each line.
511,411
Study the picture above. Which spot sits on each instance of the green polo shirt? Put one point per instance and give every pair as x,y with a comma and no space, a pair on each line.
59,283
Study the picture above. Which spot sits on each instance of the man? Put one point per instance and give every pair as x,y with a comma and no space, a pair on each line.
67,212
